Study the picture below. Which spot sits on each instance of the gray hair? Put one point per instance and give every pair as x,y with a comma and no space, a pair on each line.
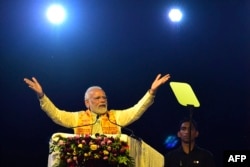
86,97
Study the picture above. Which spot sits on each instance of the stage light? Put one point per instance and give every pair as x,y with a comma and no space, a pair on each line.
56,14
175,15
171,141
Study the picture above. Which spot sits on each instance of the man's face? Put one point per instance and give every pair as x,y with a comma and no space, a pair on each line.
183,133
97,101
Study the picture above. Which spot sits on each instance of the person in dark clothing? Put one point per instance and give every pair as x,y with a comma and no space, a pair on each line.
189,154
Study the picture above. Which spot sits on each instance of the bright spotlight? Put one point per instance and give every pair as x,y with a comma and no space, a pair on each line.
175,15
56,14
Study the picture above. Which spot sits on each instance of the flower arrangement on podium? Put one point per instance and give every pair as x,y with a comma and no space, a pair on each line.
86,150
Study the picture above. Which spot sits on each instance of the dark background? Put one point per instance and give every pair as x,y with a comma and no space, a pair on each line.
121,46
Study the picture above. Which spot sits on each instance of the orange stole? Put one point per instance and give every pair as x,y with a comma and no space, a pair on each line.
108,125
86,119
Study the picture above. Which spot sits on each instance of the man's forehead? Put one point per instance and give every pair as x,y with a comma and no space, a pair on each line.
186,124
97,92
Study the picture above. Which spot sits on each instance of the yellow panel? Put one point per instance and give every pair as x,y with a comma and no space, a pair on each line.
184,94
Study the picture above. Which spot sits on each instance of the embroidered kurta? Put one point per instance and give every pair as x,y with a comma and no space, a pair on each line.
86,122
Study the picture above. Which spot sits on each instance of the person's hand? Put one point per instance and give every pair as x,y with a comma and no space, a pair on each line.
34,85
159,80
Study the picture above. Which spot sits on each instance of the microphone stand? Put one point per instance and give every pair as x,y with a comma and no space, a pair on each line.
191,112
97,117
130,130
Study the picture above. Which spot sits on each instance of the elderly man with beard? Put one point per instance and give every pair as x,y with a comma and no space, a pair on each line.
96,118
189,154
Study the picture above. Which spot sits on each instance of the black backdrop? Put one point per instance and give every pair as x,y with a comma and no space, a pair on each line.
122,46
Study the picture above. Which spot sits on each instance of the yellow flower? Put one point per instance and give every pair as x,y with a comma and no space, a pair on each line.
105,152
96,156
93,147
80,145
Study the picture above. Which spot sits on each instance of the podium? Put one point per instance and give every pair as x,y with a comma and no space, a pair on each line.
142,153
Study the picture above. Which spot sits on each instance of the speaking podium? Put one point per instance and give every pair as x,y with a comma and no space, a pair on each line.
142,153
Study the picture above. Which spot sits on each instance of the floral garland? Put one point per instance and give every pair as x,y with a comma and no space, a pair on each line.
82,151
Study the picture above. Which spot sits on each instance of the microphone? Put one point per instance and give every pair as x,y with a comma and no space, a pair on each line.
97,117
125,128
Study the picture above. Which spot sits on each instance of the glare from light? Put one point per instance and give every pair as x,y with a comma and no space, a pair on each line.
56,14
171,141
175,15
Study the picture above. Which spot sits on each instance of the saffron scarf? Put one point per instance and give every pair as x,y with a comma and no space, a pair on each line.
86,121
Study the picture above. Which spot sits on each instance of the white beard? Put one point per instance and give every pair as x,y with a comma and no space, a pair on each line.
99,110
